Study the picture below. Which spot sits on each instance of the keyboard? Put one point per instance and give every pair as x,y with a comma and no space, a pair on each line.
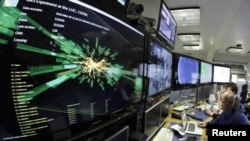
191,127
164,134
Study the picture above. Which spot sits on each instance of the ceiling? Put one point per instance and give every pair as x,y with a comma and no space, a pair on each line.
224,23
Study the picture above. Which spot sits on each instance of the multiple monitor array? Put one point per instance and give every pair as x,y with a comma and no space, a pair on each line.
191,72
81,65
193,95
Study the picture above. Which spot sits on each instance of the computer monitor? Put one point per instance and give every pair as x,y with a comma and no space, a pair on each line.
221,73
185,71
174,96
159,68
121,135
206,72
188,94
67,66
200,94
167,26
207,92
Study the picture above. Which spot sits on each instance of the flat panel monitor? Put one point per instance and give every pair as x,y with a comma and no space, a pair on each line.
174,96
221,74
67,66
185,71
121,135
200,94
152,120
206,72
207,92
167,26
159,69
188,94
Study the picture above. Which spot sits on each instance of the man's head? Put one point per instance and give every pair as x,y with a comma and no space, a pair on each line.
228,101
232,87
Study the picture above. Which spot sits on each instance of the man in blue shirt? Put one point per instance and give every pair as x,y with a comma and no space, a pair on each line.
230,115
228,87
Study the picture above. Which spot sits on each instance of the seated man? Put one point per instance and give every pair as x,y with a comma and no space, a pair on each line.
230,115
228,87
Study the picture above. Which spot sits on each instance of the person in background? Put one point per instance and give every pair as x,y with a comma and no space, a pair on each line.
230,115
228,87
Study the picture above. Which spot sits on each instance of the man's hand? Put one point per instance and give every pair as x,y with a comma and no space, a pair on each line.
202,124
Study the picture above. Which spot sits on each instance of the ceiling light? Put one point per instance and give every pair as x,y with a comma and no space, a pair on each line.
189,37
192,47
236,49
187,16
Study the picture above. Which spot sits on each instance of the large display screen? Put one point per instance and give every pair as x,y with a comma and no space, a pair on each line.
221,74
166,29
186,71
206,72
159,67
65,65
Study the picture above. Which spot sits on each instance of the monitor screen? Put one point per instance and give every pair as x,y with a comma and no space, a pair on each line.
188,94
121,135
207,92
186,71
200,94
67,66
159,67
206,72
174,96
221,74
166,29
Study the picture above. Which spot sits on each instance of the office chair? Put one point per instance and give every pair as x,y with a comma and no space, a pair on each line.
243,93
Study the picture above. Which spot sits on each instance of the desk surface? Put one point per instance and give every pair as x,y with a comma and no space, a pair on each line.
169,119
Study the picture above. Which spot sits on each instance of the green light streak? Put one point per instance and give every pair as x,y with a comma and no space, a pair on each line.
8,20
39,51
51,84
203,69
2,41
37,70
91,65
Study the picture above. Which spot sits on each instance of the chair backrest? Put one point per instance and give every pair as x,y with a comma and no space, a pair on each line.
244,119
243,93
243,96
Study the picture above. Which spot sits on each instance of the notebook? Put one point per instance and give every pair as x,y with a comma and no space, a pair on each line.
190,127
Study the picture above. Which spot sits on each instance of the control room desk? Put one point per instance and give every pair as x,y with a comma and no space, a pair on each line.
169,119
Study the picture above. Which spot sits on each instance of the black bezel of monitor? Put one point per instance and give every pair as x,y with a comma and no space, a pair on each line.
206,75
177,85
216,77
111,5
155,49
172,27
